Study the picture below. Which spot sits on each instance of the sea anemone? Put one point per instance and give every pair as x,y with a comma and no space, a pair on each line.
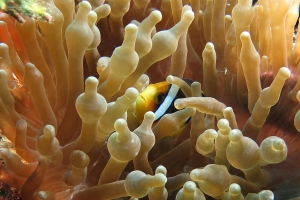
68,95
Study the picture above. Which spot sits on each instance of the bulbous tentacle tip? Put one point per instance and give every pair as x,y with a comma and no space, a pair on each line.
91,84
85,5
189,187
235,135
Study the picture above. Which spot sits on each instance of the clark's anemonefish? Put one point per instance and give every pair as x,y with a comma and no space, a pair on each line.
158,98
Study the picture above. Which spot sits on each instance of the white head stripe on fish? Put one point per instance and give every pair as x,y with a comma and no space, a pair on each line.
167,102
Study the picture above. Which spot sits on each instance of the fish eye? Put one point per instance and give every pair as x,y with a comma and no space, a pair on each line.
160,98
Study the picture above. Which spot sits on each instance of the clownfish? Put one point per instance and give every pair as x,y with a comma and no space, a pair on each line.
158,98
